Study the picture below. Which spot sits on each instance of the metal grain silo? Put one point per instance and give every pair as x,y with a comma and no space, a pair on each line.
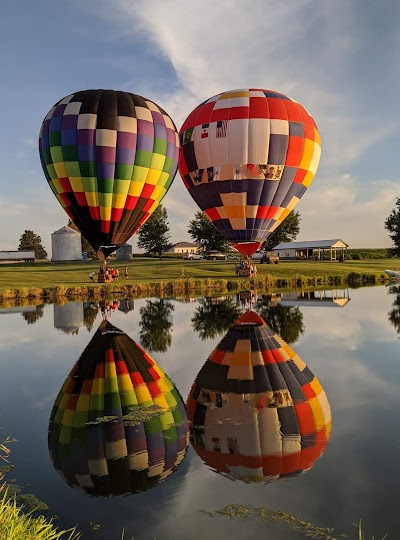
66,245
124,253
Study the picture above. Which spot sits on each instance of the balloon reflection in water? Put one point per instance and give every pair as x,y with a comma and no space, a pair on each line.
118,425
257,411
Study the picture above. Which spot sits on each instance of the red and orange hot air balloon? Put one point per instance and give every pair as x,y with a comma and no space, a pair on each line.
247,158
257,412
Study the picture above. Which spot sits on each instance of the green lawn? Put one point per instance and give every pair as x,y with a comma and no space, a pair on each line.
47,275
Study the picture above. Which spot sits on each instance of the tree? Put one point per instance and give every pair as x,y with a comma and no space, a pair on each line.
154,235
286,232
205,234
85,244
213,318
392,224
394,313
155,325
33,316
286,321
29,240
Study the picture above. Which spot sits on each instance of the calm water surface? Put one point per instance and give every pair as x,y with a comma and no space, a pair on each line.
348,339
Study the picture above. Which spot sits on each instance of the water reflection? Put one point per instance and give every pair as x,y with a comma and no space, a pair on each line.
214,315
118,425
287,321
257,411
31,316
156,325
394,313
68,317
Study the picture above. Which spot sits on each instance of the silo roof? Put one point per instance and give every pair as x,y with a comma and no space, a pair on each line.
66,230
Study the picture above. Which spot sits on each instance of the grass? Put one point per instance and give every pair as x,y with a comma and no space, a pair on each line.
152,276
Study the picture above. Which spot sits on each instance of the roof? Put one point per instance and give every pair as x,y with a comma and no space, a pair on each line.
184,244
311,244
66,230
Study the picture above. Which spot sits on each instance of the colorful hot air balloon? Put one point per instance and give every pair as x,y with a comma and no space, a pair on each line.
247,157
109,157
258,413
118,425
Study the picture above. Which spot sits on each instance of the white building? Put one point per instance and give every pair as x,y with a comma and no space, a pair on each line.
316,250
184,247
66,245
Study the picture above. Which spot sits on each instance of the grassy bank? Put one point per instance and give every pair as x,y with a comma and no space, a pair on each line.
176,276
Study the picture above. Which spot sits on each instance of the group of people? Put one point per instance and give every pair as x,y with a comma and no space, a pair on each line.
112,274
246,265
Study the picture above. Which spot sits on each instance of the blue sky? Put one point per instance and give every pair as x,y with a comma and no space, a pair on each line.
339,59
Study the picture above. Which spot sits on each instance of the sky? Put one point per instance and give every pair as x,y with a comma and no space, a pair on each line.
338,59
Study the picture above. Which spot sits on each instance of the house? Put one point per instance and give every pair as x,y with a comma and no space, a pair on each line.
317,250
184,247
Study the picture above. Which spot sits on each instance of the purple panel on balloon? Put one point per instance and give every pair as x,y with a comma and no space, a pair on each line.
158,118
70,121
87,152
68,136
145,143
160,131
105,154
126,140
55,123
105,170
171,138
145,128
135,439
59,110
125,156
86,137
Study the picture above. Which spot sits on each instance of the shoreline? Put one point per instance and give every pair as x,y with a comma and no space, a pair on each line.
189,286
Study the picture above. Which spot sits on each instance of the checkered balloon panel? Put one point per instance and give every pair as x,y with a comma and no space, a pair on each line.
247,157
118,425
257,412
109,157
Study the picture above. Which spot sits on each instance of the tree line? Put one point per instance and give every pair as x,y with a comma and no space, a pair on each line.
155,238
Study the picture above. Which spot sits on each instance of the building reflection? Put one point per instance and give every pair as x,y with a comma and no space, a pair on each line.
68,317
257,412
324,298
118,425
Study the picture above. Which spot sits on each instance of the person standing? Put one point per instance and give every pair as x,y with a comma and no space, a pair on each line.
126,272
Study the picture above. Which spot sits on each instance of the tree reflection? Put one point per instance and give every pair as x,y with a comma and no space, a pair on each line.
286,321
31,317
90,311
394,313
214,317
155,325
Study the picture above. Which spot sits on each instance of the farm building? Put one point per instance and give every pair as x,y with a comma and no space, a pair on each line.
315,250
184,247
66,245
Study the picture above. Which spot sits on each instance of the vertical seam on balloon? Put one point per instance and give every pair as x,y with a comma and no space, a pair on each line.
224,227
274,199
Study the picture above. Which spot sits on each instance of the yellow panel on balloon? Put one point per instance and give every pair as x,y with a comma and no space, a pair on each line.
153,176
135,188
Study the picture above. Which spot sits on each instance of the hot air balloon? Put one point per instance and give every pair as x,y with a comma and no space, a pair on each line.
257,412
109,157
247,158
118,425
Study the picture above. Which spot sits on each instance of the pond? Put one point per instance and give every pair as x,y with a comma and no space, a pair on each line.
349,339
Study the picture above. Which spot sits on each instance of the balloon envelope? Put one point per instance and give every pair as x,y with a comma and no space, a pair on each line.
257,412
118,425
247,157
109,157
